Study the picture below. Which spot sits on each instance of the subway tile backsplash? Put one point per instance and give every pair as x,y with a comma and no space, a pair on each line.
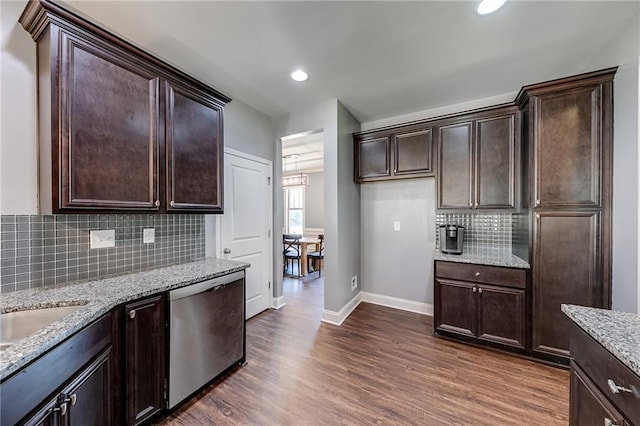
482,231
45,250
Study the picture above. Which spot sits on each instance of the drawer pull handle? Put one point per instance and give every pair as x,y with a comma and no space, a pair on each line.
474,289
617,389
132,314
608,422
477,274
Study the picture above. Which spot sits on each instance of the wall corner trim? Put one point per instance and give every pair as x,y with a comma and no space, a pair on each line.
337,318
397,303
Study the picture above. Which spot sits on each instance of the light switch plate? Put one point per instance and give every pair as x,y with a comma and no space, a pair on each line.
102,238
149,236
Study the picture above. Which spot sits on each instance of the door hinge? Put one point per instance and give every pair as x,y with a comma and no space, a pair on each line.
269,284
268,232
269,180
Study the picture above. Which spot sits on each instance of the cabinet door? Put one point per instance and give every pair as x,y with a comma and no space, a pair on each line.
495,152
145,368
89,398
566,270
193,150
107,151
501,315
413,153
455,307
588,406
455,166
46,416
568,147
373,158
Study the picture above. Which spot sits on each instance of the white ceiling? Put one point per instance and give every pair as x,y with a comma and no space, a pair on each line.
380,59
307,152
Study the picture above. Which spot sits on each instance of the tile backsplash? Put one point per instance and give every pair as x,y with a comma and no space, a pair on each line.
482,231
44,250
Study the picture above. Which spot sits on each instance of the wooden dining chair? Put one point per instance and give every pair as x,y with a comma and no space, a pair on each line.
291,252
317,257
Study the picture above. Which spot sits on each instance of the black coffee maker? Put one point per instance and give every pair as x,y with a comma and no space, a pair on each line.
451,238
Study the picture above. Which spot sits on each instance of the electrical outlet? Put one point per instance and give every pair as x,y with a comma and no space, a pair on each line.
102,238
354,282
149,236
396,225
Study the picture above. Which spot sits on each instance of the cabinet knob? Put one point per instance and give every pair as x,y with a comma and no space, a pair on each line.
479,289
157,203
609,422
477,274
132,314
617,389
172,203
474,289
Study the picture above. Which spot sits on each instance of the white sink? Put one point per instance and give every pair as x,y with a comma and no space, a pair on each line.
17,325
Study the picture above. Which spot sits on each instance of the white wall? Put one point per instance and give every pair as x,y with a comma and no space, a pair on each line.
248,130
18,117
623,52
314,201
399,263
349,227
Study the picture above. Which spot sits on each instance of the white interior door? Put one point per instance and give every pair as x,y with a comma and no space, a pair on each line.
246,223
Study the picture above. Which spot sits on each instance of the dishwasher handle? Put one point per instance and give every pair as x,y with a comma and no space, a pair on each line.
201,287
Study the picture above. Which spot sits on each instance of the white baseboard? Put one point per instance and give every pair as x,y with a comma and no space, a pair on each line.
337,318
277,302
397,303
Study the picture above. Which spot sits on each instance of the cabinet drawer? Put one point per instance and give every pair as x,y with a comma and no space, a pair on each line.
600,365
508,277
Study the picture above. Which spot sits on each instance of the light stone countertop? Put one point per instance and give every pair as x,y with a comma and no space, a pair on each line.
618,332
100,297
484,257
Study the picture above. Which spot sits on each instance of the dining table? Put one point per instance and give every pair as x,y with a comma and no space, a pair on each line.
305,243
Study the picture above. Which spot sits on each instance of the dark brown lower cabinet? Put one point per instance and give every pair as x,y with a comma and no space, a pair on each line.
567,269
589,406
492,313
455,307
87,400
144,358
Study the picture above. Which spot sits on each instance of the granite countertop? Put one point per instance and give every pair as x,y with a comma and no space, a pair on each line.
618,332
97,297
484,257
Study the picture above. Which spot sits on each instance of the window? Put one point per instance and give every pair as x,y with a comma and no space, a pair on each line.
294,210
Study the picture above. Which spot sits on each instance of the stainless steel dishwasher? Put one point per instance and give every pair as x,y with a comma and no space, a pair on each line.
206,333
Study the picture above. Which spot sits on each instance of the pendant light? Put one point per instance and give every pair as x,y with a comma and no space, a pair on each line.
292,180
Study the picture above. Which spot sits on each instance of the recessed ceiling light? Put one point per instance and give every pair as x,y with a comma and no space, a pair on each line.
486,7
299,75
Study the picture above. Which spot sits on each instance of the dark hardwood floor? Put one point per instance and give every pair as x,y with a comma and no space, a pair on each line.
382,366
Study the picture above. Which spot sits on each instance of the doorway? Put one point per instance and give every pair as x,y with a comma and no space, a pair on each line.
303,196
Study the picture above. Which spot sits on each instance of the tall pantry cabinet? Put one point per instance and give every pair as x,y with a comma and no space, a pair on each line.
569,136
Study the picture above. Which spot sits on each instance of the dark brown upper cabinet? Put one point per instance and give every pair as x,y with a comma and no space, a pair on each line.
119,129
568,147
394,154
478,158
455,169
194,150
